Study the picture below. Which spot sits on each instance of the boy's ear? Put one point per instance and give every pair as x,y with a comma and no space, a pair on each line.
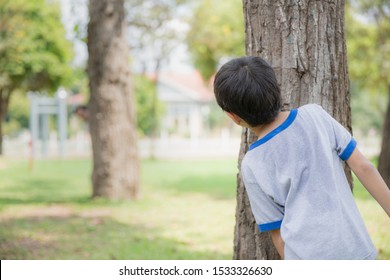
234,118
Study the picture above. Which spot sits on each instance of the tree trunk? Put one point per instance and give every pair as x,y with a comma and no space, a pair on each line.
2,116
304,41
5,95
384,156
111,107
1,132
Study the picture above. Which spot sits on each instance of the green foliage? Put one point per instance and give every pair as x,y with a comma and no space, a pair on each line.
217,30
368,60
149,109
363,69
18,114
34,53
367,109
368,50
79,82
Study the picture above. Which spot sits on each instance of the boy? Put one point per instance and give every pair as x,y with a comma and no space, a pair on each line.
294,173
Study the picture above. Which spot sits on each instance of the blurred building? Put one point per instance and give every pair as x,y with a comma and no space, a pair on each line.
187,101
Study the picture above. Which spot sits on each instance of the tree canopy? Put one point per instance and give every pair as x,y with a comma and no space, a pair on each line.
217,31
367,23
34,53
369,44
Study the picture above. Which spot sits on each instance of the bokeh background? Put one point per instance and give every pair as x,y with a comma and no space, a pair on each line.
188,148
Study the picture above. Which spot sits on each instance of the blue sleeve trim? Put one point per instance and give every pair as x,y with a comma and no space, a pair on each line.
348,150
270,226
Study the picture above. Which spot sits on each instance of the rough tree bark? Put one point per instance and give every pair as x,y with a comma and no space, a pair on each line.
304,41
112,110
384,156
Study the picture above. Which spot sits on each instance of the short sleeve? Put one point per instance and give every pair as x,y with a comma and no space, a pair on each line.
345,143
268,214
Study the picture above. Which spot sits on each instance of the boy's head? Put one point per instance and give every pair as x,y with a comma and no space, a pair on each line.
247,87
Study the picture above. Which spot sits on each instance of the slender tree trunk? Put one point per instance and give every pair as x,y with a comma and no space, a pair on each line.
2,116
112,110
1,132
384,156
304,41
5,95
154,129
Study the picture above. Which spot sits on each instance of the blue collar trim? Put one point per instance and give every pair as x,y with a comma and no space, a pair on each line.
290,119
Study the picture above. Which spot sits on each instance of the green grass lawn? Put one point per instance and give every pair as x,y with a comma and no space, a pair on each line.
186,211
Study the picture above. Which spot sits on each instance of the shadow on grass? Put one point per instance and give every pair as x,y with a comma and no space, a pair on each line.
75,237
32,191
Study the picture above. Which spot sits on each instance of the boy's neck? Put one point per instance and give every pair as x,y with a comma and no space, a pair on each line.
262,130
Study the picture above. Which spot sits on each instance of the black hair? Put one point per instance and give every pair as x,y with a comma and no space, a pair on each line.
247,87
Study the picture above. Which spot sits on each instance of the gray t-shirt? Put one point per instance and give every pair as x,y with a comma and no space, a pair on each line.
295,180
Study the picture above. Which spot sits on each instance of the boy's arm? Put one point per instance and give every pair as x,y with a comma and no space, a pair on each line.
278,242
369,176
